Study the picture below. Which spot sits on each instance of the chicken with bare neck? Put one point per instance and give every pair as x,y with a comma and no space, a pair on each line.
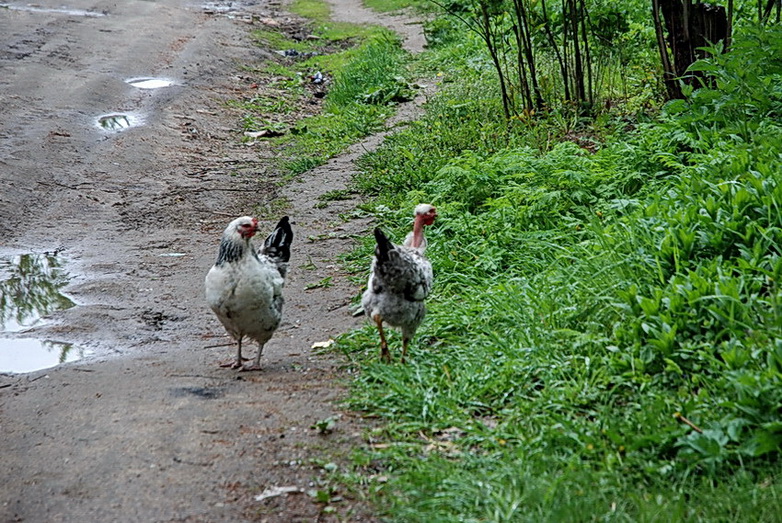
400,280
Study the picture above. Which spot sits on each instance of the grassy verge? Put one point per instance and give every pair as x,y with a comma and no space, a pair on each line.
604,338
387,6
332,84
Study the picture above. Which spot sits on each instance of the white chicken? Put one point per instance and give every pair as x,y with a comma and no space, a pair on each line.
400,280
244,287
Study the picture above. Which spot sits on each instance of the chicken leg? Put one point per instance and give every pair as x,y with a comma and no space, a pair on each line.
384,354
237,363
405,343
256,361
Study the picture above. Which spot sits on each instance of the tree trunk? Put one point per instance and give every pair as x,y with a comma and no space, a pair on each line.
531,60
689,26
553,43
521,66
669,76
571,17
587,55
488,37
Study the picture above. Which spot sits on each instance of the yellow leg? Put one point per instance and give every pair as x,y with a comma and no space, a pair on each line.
384,354
405,344
236,364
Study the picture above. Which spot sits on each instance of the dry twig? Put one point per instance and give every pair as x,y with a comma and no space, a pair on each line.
684,420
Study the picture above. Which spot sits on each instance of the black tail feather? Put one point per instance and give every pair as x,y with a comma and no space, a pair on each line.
278,244
384,245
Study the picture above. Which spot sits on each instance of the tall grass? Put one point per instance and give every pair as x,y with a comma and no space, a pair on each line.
604,337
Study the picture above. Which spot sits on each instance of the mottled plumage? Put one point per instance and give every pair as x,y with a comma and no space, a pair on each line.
400,280
244,287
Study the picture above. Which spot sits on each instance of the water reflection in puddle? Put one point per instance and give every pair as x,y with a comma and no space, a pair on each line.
30,288
114,122
220,6
55,10
28,355
117,122
150,83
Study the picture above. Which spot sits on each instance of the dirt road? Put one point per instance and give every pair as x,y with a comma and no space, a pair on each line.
149,429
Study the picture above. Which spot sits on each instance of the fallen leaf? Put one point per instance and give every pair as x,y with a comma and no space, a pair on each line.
323,344
449,434
277,491
449,448
269,21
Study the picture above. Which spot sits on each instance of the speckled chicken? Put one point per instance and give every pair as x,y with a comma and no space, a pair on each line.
244,287
400,280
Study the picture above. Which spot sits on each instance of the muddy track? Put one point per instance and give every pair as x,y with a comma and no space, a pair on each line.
148,428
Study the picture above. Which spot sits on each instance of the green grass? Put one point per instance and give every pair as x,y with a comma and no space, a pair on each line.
359,99
315,10
363,69
275,40
604,341
320,13
387,6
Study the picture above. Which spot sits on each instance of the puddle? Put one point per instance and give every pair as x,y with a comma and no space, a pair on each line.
28,355
30,288
222,7
114,122
228,8
118,121
55,10
150,83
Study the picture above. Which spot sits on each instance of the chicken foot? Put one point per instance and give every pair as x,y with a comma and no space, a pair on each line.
237,363
256,362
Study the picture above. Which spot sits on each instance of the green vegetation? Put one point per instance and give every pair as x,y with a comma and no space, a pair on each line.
604,340
385,6
357,71
315,10
357,105
319,13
